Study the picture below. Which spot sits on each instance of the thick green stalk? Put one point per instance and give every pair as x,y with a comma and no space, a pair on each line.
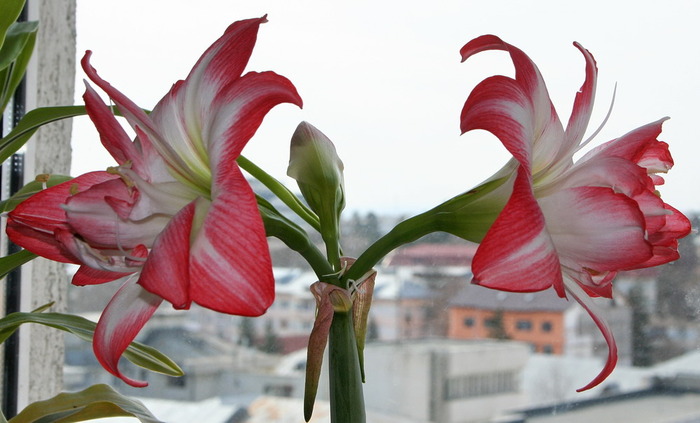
347,400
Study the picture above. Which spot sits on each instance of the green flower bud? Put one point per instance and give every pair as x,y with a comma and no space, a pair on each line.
315,165
318,170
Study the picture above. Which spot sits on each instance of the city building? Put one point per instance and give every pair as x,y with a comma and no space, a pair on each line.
548,323
446,381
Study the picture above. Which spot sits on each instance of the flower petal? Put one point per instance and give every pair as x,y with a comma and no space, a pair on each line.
503,104
220,65
517,253
587,303
638,146
133,113
112,135
87,275
498,105
166,272
583,103
230,267
215,105
32,223
596,228
617,173
239,110
99,214
125,315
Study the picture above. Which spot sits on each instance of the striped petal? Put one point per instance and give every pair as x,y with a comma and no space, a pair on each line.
583,103
33,222
99,215
518,111
133,113
238,112
166,272
87,275
639,146
209,117
123,318
517,253
112,135
596,228
586,302
230,267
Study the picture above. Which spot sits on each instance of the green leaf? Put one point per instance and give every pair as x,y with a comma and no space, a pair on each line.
15,40
10,12
94,402
139,354
26,36
43,181
31,122
11,262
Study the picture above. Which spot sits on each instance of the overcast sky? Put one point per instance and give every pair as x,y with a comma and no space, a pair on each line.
384,80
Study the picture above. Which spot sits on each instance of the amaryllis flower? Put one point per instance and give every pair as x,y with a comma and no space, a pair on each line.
570,225
176,219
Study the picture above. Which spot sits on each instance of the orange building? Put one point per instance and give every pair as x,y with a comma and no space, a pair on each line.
536,318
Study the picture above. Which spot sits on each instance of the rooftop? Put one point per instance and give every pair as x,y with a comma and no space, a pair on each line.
433,255
479,297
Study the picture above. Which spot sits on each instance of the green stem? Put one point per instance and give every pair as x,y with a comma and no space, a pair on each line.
407,231
330,239
316,260
294,237
346,398
281,191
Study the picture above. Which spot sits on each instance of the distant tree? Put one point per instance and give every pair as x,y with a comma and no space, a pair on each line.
359,232
271,343
641,342
440,238
496,327
246,332
366,228
372,231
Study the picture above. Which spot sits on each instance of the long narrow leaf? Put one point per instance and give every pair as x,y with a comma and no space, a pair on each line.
8,263
139,354
42,182
15,40
10,12
34,120
31,122
20,62
94,402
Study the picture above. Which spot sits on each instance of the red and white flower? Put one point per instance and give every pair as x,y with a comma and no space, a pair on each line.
570,225
176,220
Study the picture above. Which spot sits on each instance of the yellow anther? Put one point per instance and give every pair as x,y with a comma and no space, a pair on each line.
42,177
115,170
74,189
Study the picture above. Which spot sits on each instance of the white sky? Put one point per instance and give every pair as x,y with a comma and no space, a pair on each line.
384,80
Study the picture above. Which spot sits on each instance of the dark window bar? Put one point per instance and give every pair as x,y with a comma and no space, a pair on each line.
13,182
